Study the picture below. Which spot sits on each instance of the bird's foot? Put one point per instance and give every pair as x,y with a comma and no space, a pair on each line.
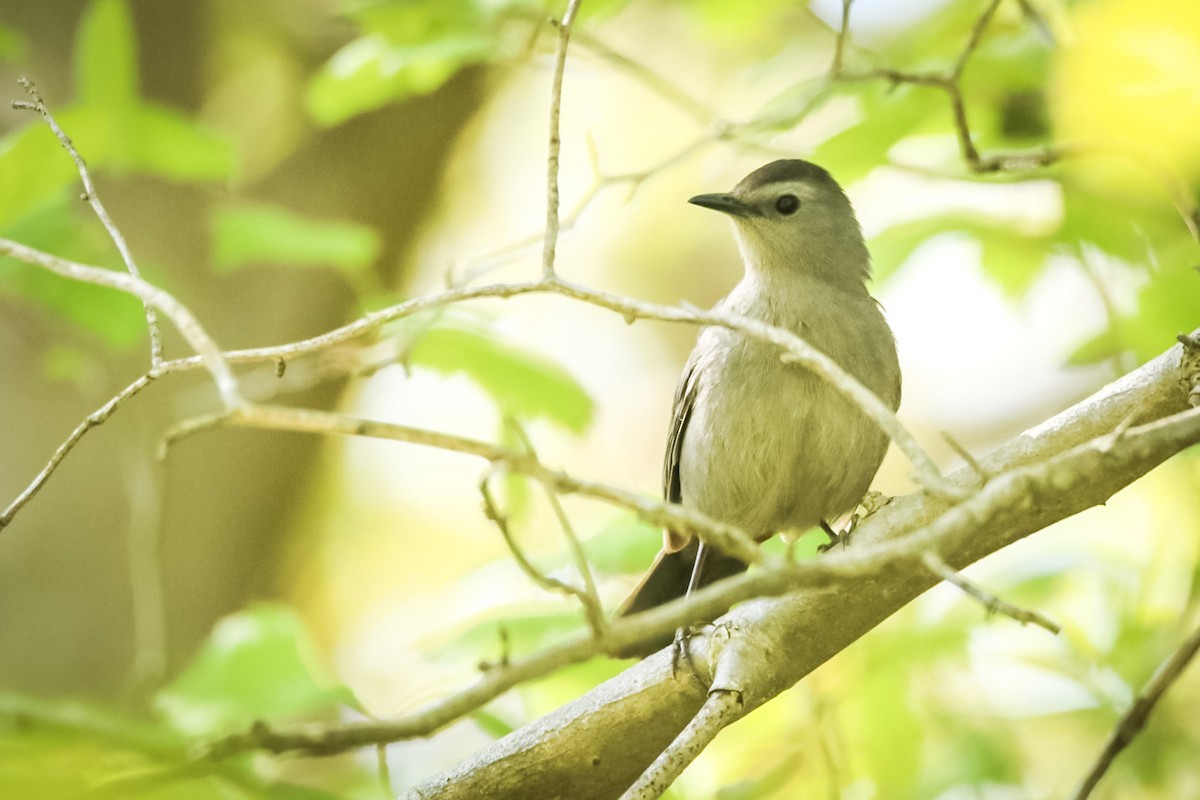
834,537
680,651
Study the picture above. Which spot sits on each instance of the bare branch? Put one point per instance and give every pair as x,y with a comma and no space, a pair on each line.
97,417
1035,158
589,600
1023,498
992,603
720,709
209,355
1038,20
93,199
592,605
793,348
1042,476
966,456
724,537
948,82
1133,720
665,88
839,47
974,39
560,61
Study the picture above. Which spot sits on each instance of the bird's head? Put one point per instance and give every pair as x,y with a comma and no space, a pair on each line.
791,216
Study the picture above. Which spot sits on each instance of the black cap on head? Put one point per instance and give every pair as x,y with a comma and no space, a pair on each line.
784,170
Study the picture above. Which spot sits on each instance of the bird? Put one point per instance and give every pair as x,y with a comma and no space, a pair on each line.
754,441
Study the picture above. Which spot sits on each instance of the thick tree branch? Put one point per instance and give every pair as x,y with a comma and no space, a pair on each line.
1063,466
1156,390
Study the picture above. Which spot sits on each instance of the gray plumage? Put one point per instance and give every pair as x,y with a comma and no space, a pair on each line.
756,442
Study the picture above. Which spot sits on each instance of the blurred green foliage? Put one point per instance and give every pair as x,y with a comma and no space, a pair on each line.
893,733
259,664
413,47
252,234
523,384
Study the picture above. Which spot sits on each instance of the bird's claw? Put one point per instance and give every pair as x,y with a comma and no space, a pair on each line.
680,651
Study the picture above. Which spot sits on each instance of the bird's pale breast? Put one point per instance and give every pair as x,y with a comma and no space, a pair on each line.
772,446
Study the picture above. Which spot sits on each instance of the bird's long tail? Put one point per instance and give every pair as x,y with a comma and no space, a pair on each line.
668,579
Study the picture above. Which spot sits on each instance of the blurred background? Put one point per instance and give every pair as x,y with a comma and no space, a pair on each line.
283,167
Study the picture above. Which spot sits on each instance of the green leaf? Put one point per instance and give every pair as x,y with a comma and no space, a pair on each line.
972,758
372,71
491,724
626,545
791,106
523,384
1009,258
1129,227
51,750
881,720
12,44
152,140
517,628
106,68
163,142
34,167
1101,347
145,139
888,115
55,228
1168,305
258,664
246,234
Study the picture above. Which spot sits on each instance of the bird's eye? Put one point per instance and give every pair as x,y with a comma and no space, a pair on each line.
787,204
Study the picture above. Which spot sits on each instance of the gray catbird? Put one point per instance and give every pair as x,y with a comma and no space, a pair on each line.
756,442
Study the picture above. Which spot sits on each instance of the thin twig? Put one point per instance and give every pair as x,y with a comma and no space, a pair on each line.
721,708
1038,20
593,606
1133,720
93,199
724,537
478,266
589,601
991,602
839,47
208,354
211,358
1003,494
560,62
793,349
966,456
665,88
147,596
97,417
950,83
974,39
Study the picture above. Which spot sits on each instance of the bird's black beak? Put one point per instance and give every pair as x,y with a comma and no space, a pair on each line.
725,203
